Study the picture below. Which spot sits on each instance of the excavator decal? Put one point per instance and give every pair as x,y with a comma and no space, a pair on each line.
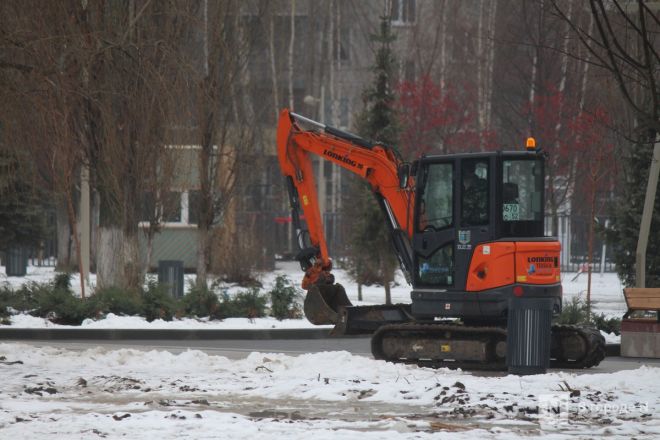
344,159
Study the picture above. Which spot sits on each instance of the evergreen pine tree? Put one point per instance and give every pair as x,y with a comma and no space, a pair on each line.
627,215
22,217
372,259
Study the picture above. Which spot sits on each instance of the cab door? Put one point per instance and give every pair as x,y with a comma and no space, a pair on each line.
434,234
474,211
454,213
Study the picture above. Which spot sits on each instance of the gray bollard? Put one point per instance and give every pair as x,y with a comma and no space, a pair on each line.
529,335
170,275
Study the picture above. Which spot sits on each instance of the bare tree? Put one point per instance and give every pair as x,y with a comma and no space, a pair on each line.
223,112
625,44
102,78
46,98
132,99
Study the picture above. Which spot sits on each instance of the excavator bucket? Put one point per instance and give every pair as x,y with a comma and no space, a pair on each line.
322,303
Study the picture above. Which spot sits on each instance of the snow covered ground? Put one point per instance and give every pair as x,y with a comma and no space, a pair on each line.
102,393
107,393
607,297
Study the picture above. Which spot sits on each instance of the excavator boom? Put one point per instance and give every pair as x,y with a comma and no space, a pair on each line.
376,163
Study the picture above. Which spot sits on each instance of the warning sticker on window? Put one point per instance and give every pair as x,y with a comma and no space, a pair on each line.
510,212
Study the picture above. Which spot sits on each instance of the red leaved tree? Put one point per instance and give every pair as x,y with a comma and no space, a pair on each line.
439,119
596,169
553,124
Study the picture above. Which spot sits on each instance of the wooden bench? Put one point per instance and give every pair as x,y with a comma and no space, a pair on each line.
645,299
640,337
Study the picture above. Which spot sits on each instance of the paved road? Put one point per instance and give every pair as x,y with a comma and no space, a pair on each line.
238,349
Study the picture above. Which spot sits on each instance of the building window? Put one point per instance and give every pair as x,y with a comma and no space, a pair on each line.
194,200
172,207
403,12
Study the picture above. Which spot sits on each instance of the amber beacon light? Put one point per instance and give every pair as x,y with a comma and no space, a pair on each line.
530,144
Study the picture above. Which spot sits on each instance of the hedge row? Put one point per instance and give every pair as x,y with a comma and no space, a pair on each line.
56,302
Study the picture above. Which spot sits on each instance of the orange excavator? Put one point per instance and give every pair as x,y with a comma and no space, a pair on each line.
468,232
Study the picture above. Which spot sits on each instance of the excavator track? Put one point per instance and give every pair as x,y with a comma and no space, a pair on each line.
441,345
576,347
479,348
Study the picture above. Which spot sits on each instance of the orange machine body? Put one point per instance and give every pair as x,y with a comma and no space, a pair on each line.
502,263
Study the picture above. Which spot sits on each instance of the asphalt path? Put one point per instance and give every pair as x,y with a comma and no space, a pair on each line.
239,349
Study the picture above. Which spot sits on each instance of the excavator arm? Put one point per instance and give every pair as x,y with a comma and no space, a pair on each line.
379,165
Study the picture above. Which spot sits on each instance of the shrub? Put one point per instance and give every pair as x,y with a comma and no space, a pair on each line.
54,301
62,281
157,303
247,304
283,298
574,312
201,301
24,299
59,306
608,325
115,300
6,300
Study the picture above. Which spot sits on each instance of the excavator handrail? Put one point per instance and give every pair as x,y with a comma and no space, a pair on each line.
378,164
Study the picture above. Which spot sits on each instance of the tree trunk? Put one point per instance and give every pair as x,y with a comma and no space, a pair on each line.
481,93
63,235
292,40
388,293
76,240
590,251
96,206
118,260
491,62
443,47
203,252
273,66
108,258
149,252
132,267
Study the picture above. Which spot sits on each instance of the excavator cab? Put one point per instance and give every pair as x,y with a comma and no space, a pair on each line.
478,235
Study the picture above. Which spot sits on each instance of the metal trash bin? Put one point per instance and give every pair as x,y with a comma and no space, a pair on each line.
170,275
529,335
17,260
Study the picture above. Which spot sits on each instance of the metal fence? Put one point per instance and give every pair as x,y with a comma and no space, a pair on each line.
277,239
573,234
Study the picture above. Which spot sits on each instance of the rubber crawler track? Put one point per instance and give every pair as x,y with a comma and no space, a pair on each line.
410,330
592,339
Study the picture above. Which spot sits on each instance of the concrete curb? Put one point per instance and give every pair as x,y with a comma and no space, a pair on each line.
156,334
611,350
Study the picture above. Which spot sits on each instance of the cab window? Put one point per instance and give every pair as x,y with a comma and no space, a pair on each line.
474,192
522,197
436,202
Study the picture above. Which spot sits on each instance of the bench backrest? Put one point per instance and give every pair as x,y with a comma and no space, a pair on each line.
642,298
